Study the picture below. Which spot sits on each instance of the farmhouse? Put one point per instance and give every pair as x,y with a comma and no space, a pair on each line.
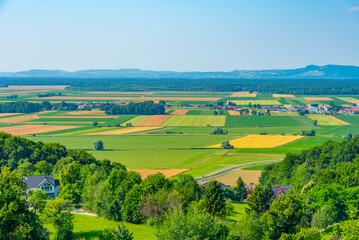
277,189
46,183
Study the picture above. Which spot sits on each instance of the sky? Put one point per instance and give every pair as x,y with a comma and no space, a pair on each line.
177,35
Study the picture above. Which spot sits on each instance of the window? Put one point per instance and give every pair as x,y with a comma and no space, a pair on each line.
47,187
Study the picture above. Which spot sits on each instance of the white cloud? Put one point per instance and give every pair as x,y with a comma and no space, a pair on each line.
353,9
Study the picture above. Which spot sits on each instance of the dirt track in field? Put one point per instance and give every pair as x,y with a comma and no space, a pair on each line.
33,129
154,121
167,172
179,112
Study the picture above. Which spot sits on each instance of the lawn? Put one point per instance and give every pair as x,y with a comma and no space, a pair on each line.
193,121
239,210
266,121
89,227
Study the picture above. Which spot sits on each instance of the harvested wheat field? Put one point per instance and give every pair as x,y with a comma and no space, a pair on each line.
243,94
122,131
33,129
167,172
248,177
134,98
18,119
155,120
318,99
84,113
260,141
283,95
233,113
179,112
8,114
33,87
338,120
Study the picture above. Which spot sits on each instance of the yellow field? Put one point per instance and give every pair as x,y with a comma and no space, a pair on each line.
122,131
260,141
261,102
8,114
18,119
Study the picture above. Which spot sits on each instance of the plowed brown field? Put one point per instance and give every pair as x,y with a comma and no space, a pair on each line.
179,112
33,129
167,172
318,98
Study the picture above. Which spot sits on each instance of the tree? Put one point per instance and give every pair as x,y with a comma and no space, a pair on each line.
98,145
17,221
59,216
240,191
323,217
95,124
315,122
348,137
303,234
193,225
268,196
121,233
226,145
256,201
214,201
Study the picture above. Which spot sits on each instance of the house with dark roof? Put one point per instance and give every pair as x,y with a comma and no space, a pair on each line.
47,183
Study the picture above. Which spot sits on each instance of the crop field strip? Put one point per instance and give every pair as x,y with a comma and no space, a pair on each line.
354,120
34,87
132,98
261,102
349,99
248,177
33,129
2,115
283,96
195,121
18,119
338,120
260,141
122,131
154,121
318,98
136,120
84,113
167,172
266,121
179,112
243,94
324,120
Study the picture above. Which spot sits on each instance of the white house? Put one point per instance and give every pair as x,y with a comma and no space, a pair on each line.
47,183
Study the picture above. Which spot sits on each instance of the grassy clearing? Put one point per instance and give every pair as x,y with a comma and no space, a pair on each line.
239,211
193,121
266,121
323,120
88,227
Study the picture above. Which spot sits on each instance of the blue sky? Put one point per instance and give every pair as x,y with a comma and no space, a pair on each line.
185,35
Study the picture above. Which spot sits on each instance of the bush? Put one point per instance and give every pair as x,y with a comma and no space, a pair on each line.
121,233
219,130
226,145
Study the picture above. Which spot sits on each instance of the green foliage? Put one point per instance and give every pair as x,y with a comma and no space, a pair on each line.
141,108
260,200
349,230
37,198
58,215
323,218
98,145
304,234
214,201
226,145
17,221
219,130
95,124
121,233
193,225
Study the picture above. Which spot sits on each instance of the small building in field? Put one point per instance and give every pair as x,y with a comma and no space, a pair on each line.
47,183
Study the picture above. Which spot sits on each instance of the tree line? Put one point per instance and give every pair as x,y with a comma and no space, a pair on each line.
29,107
141,108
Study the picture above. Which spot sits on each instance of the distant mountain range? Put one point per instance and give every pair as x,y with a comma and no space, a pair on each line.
311,71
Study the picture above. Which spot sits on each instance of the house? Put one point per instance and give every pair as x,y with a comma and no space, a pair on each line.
281,189
46,183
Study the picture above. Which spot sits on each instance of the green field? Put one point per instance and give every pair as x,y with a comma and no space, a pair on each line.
266,121
342,130
349,119
136,120
323,120
261,102
195,121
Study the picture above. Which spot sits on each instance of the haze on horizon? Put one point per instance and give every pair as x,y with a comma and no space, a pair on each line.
212,35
